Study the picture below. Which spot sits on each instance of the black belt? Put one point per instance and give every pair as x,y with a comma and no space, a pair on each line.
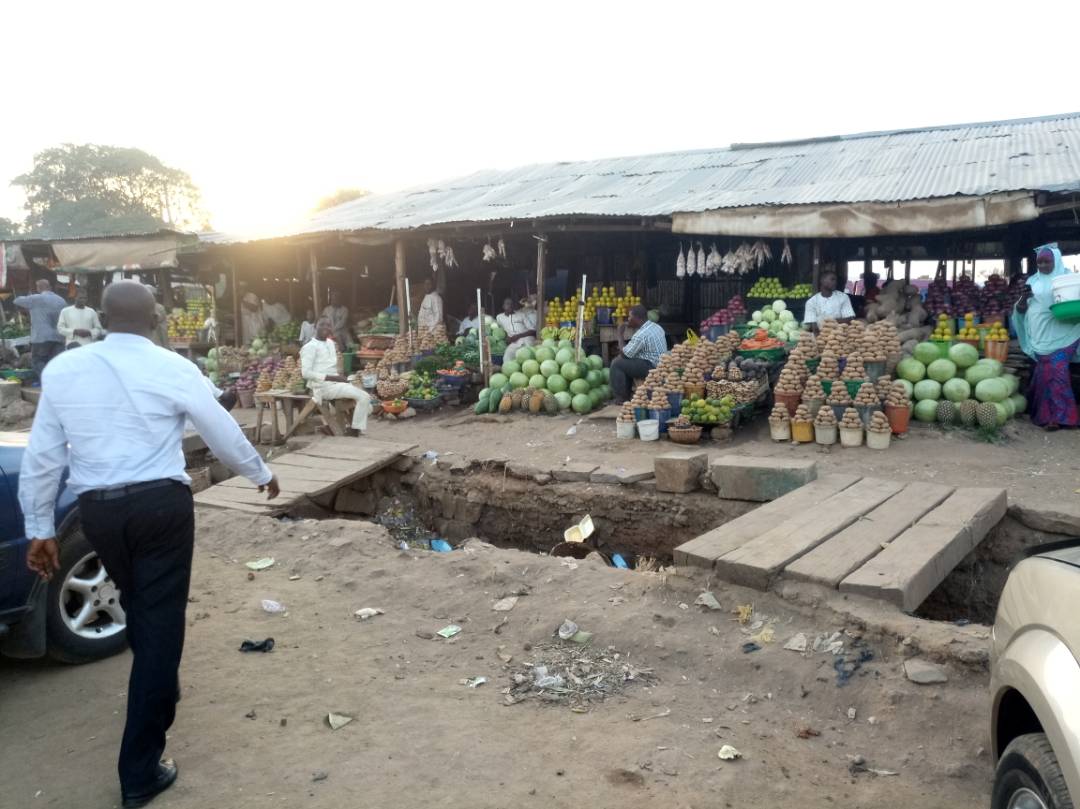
124,491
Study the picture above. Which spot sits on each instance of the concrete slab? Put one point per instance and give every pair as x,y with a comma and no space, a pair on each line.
574,472
740,477
622,474
831,561
758,562
918,560
680,472
702,551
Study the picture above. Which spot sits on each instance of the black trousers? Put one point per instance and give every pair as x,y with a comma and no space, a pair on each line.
41,354
624,371
145,541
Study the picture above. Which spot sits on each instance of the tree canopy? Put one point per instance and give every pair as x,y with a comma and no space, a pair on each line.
89,189
339,197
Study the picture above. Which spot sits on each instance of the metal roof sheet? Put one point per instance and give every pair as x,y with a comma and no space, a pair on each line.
1032,154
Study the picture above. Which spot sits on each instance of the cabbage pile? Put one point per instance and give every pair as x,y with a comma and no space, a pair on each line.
960,378
778,321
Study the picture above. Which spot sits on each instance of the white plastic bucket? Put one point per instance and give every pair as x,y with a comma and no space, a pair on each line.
624,429
1066,288
649,430
878,440
580,532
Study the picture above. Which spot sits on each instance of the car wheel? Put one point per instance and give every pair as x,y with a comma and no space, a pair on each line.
84,619
1028,776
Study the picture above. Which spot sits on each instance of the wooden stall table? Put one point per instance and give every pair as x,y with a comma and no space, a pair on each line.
609,337
332,414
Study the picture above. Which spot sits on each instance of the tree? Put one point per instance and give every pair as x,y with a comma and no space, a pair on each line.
9,229
88,189
341,196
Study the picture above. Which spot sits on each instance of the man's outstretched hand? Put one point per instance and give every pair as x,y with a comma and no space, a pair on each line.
43,557
272,488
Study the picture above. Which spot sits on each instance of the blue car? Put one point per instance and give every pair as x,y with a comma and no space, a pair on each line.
74,618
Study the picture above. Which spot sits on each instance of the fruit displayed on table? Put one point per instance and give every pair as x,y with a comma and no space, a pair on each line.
777,321
707,411
760,340
421,386
458,370
734,312
968,387
559,311
386,322
430,339
772,288
968,330
580,385
286,332
184,325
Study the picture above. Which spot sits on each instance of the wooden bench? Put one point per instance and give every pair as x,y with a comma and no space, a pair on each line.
332,414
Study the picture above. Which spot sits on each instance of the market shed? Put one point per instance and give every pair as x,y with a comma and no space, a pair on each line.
948,193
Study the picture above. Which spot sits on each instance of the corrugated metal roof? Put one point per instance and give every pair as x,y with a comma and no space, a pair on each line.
1032,154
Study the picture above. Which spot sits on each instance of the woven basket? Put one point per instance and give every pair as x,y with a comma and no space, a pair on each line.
685,435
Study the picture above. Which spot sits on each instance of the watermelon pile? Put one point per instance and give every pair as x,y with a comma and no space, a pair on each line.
960,388
549,378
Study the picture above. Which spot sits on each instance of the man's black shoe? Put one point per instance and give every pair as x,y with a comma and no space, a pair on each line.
166,775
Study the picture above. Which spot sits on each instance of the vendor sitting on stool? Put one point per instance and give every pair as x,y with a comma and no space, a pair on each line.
639,356
318,364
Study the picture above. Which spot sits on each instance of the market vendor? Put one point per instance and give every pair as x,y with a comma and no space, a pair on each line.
318,364
276,314
430,313
252,318
338,316
471,321
1051,344
519,325
160,335
79,324
44,308
307,328
640,355
829,303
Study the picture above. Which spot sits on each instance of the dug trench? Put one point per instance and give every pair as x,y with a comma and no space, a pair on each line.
528,511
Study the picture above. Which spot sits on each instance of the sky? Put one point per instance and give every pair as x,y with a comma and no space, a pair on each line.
271,105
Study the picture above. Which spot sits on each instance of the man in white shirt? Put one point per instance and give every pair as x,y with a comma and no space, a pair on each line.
252,318
134,501
318,364
430,314
307,328
828,304
471,321
338,316
276,314
520,327
79,324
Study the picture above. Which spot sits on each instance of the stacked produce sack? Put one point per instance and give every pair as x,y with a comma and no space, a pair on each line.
960,388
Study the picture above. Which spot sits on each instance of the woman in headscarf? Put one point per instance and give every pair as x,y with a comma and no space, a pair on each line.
1049,342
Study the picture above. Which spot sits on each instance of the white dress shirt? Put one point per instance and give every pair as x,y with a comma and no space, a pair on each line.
114,414
318,359
307,332
72,318
430,313
834,307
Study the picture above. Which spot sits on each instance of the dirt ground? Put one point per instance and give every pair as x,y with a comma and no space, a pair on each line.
251,729
1038,468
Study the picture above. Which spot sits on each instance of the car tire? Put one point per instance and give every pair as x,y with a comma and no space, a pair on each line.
1027,774
64,643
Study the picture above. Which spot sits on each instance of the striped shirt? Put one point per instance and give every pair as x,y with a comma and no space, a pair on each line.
649,343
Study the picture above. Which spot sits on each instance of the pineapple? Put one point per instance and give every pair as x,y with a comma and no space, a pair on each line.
986,415
967,412
515,398
946,412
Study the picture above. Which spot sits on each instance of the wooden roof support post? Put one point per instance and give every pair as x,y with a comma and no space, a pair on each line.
541,271
816,269
313,263
238,337
399,274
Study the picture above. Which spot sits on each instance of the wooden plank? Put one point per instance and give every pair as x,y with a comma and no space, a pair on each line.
757,563
918,560
305,463
702,551
291,484
212,498
831,561
251,497
347,449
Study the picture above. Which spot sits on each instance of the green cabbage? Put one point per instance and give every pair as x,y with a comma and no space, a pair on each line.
911,369
941,370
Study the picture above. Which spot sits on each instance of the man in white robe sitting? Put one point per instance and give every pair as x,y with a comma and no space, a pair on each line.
318,364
